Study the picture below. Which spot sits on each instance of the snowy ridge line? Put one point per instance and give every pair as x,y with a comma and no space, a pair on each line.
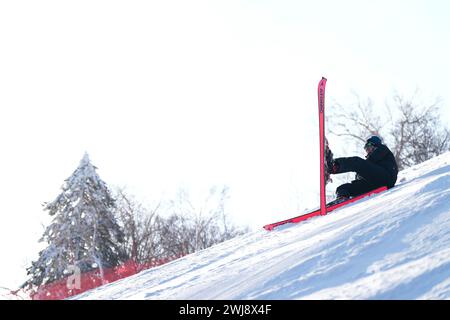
392,246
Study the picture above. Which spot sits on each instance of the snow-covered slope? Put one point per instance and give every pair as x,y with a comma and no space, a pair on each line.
393,246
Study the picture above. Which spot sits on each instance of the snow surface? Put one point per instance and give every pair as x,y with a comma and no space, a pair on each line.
392,246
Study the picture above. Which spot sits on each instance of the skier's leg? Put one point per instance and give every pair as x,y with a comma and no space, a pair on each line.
353,189
374,174
344,190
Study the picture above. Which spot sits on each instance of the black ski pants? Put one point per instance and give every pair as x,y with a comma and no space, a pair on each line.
369,176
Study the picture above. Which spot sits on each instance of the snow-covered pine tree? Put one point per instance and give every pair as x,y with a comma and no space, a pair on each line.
83,233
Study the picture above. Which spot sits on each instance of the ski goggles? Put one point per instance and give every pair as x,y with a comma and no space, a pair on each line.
369,145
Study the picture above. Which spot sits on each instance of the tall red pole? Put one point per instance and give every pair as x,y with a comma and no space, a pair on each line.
321,96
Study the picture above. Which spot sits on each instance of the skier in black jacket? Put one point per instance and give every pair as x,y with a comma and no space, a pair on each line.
377,170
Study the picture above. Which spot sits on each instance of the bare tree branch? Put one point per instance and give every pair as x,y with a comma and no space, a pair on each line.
413,129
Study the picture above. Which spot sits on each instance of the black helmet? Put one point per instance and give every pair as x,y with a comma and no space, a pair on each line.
373,141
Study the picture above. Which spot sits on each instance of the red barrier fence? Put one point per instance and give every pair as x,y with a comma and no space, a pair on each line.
75,284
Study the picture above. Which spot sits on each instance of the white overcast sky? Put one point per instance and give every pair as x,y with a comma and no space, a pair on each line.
169,94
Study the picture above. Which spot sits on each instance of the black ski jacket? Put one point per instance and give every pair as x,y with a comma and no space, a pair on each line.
384,158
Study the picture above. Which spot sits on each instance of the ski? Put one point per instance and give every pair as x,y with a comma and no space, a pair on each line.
326,157
333,205
321,100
